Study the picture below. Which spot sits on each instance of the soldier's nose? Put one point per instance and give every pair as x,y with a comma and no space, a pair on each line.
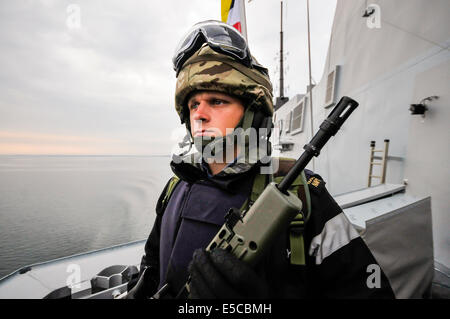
202,112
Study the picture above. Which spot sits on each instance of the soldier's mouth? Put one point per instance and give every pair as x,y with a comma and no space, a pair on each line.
204,133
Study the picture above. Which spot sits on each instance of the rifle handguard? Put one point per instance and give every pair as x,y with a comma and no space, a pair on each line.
249,237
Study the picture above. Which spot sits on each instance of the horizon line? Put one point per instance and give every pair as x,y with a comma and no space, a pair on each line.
130,155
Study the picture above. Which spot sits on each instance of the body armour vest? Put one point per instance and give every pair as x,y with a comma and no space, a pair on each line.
191,219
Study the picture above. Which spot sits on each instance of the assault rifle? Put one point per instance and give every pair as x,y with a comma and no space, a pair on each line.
248,234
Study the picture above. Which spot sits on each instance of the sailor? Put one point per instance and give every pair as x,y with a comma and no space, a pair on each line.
221,89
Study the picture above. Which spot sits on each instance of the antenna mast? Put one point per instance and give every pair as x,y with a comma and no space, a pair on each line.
310,77
281,99
281,54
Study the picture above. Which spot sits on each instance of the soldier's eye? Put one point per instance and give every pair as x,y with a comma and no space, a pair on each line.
193,105
218,101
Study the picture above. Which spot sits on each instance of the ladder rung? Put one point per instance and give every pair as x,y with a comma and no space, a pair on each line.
372,163
373,176
378,151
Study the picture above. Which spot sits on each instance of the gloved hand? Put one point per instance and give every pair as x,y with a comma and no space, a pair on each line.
219,274
143,289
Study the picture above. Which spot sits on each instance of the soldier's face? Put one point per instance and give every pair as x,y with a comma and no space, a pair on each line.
211,113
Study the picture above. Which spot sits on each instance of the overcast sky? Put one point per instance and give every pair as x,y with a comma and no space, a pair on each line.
95,77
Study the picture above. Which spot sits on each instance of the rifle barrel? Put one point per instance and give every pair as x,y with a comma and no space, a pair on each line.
329,127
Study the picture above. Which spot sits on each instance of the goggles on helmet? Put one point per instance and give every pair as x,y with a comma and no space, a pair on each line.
220,37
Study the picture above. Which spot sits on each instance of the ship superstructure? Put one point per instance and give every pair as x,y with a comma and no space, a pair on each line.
393,58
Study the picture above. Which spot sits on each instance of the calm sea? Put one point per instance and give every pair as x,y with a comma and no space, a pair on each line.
55,206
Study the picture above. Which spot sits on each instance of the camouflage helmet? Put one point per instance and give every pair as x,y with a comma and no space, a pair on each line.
208,70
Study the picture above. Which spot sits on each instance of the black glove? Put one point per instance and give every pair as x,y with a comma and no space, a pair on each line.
143,288
219,274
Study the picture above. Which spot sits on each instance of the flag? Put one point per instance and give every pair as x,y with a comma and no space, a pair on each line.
233,13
